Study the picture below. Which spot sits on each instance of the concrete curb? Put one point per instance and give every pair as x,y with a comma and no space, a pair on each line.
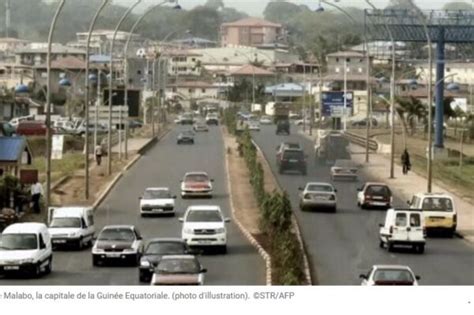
245,232
59,182
127,167
307,270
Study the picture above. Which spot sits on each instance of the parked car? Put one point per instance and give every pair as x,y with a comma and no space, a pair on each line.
157,200
26,249
196,184
439,211
403,227
200,126
16,121
253,125
134,124
118,243
101,129
186,119
363,122
179,270
185,137
266,120
389,275
316,195
205,226
374,195
292,160
71,226
344,169
31,128
154,251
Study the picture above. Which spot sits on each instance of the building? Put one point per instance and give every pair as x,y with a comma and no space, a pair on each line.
189,90
195,43
250,32
463,72
101,40
381,51
285,92
9,45
183,63
249,72
12,74
34,55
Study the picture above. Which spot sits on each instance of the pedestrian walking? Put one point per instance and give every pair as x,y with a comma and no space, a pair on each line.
36,193
406,165
98,154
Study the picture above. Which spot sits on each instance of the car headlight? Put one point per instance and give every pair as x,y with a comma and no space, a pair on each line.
220,230
72,234
129,250
97,250
188,231
145,263
26,261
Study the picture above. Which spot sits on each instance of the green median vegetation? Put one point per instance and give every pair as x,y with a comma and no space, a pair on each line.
275,216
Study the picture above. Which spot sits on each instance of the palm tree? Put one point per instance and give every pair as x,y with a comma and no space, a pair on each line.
410,111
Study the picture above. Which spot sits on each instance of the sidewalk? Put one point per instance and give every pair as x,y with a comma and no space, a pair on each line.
406,185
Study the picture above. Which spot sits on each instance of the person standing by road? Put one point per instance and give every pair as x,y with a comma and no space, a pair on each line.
98,154
36,193
406,162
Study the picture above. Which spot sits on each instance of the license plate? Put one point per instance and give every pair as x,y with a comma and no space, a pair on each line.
320,198
204,242
378,198
378,203
11,267
113,255
59,241
293,161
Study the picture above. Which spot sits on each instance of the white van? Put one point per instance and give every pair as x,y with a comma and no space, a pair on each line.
438,209
403,227
71,226
25,248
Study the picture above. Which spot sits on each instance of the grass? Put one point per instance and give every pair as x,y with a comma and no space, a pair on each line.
70,163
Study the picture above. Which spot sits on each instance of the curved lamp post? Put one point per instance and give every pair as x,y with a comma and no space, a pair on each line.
127,44
111,80
86,136
48,104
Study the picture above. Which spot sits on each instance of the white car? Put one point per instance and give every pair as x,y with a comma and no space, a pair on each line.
266,120
157,200
205,226
253,125
196,184
25,248
318,195
403,227
389,275
71,226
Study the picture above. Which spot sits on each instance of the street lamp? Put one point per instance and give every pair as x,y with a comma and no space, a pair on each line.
48,104
127,44
86,134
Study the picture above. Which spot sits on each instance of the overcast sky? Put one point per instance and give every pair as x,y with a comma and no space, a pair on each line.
256,7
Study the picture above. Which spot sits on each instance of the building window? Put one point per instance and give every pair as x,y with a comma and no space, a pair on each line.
337,70
174,90
139,72
360,70
448,69
203,90
190,91
348,59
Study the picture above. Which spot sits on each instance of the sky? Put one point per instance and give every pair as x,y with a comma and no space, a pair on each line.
256,7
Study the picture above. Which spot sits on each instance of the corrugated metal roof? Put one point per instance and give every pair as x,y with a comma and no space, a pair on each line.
11,148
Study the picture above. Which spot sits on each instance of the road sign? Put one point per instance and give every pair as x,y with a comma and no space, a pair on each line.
336,99
57,147
119,114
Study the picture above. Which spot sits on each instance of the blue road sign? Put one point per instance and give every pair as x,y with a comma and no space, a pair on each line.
336,99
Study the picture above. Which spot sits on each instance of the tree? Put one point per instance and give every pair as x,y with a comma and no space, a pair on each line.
457,5
399,5
214,4
410,110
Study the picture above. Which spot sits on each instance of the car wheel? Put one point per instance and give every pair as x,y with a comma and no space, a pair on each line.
390,247
143,278
363,206
49,266
334,210
302,208
80,243
96,261
381,244
421,249
37,272
223,249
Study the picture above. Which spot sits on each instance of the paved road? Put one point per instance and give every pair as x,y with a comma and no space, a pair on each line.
343,245
163,165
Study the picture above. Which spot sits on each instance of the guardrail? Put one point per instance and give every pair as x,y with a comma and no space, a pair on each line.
362,141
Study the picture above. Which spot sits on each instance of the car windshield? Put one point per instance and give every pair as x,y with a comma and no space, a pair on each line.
18,242
344,163
66,223
317,187
187,133
290,145
178,265
156,194
293,154
378,190
438,204
204,216
196,178
117,235
165,248
393,275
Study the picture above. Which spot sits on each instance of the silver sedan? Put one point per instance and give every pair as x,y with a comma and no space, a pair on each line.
316,195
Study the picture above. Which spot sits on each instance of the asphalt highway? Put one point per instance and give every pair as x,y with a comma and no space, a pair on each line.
345,244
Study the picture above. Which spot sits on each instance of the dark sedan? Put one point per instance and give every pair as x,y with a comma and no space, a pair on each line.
155,249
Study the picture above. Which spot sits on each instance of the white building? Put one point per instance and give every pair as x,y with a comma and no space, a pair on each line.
192,90
464,72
